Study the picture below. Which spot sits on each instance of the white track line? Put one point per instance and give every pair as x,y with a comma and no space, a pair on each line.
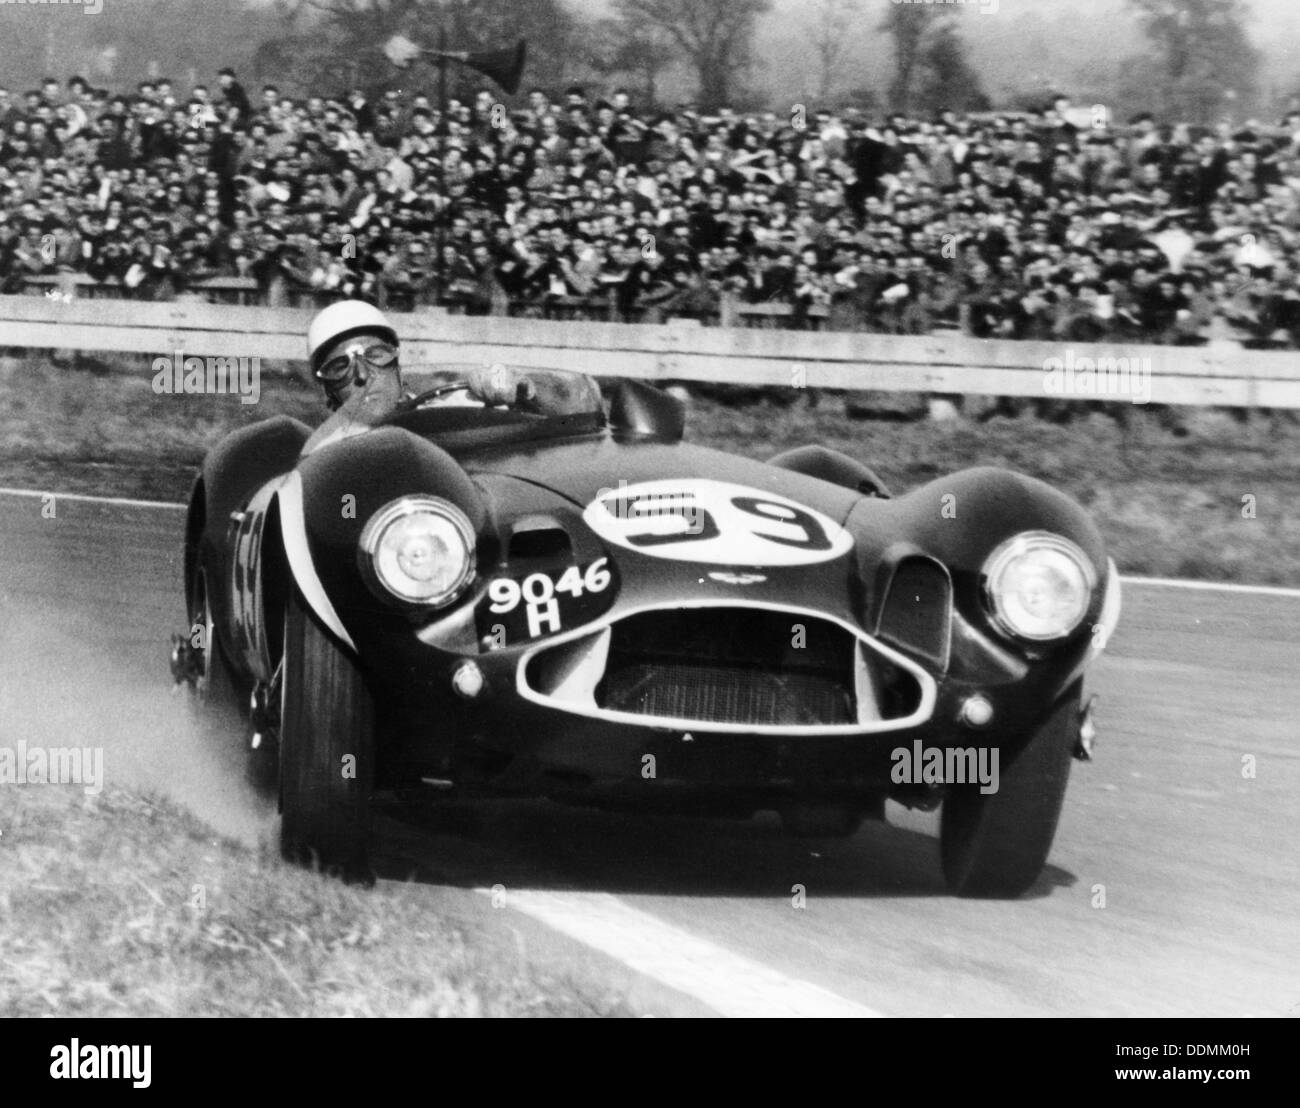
1141,582
730,984
1209,586
161,505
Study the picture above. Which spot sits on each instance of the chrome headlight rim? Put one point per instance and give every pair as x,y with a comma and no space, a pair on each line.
1017,546
369,548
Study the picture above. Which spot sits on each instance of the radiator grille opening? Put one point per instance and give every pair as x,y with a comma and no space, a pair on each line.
739,666
734,667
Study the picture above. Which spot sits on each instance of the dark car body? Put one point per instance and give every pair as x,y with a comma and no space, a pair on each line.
649,623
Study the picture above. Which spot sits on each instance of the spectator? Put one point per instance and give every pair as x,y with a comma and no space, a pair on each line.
233,98
1016,226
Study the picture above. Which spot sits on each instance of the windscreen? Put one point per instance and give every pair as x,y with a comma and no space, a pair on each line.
555,392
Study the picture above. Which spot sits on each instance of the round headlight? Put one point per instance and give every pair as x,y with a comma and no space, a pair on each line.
1038,586
420,549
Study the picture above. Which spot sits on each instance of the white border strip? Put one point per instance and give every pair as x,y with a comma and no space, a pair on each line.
1210,586
33,494
1142,582
729,983
293,529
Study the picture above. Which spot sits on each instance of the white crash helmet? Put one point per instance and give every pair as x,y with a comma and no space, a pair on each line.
347,317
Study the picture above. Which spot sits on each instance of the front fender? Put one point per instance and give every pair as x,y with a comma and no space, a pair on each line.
324,505
958,521
961,519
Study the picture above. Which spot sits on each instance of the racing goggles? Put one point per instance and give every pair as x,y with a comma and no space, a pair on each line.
342,366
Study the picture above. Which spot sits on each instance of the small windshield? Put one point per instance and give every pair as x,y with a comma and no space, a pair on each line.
557,392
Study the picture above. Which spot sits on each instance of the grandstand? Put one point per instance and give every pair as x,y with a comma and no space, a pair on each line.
1023,225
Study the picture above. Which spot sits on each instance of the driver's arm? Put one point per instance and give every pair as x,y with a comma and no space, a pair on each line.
540,393
503,386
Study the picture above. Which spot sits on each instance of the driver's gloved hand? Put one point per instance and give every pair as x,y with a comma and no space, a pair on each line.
498,385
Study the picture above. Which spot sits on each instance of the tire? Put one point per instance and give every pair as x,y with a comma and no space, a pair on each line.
215,703
326,718
996,845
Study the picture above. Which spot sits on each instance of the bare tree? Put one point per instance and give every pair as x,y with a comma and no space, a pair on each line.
828,29
716,35
908,25
1200,49
947,79
374,19
642,49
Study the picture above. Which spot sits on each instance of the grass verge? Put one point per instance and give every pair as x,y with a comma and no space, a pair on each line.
125,905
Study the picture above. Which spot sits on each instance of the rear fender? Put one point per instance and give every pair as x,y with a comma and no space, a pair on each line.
833,466
232,473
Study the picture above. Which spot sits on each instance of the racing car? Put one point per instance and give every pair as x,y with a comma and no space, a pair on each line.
581,605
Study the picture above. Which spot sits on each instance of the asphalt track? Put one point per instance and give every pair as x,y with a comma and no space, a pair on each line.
1173,888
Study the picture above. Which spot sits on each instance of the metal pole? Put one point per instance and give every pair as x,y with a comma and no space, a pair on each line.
443,128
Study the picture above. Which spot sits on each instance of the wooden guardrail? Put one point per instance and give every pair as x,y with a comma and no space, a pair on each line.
729,312
237,290
1218,374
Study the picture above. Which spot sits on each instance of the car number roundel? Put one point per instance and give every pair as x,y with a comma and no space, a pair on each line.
715,522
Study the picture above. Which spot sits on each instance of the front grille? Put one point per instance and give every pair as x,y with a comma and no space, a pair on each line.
718,694
731,665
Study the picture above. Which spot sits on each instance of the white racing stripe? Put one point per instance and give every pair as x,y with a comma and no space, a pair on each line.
161,505
730,984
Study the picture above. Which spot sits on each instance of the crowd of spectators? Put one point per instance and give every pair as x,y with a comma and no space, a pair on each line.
1035,224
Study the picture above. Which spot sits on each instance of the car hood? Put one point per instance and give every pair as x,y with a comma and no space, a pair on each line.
580,470
763,535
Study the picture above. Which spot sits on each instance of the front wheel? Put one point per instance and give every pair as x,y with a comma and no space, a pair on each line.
996,844
327,741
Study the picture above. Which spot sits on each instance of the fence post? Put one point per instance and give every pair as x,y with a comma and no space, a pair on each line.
727,308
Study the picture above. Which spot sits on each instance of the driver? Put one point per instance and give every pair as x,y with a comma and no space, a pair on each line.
353,351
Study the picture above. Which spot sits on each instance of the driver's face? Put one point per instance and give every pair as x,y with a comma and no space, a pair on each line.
350,363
